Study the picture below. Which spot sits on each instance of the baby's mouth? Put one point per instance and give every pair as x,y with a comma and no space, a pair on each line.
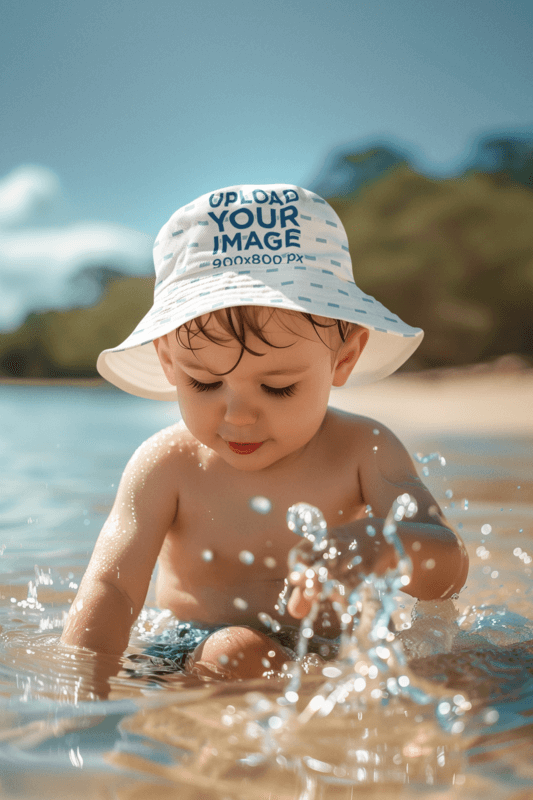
244,448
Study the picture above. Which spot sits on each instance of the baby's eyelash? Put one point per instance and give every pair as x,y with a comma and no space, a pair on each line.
203,387
285,391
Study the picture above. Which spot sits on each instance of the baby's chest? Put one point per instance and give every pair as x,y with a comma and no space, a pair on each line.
237,530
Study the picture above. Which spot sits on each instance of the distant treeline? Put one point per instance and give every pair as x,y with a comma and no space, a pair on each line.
65,344
452,256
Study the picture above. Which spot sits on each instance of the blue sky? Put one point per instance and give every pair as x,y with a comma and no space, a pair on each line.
138,107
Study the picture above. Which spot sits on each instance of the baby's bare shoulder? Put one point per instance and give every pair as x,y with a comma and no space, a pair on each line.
355,429
165,451
368,442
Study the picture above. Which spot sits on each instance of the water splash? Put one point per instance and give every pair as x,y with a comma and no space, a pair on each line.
425,459
371,677
309,523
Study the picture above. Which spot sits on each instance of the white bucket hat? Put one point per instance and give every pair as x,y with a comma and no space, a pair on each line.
275,245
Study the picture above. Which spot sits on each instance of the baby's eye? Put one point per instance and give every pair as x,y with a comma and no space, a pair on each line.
203,387
285,391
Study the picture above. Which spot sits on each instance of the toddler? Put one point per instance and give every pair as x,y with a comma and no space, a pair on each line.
256,317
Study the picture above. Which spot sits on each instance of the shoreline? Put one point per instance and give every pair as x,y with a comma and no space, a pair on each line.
90,382
503,366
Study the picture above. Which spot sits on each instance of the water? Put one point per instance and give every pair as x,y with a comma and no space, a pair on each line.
440,708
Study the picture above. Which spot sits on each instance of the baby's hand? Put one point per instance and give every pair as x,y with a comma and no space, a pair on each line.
351,552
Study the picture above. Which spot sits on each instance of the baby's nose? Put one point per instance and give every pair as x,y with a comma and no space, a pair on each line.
239,411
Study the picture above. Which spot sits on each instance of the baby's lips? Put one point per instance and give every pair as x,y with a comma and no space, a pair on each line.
244,448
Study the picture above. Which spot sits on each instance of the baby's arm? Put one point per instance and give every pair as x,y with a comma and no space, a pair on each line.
115,585
438,556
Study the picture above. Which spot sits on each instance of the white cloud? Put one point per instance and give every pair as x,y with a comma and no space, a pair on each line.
27,194
39,265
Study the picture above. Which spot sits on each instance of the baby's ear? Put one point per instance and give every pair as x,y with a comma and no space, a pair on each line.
348,355
162,348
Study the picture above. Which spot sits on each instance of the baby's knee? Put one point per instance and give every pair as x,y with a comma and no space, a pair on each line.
236,652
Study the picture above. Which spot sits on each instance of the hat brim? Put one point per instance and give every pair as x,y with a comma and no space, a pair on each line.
134,365
138,370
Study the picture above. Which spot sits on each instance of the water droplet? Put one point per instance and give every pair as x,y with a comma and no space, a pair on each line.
261,505
269,562
486,529
207,555
458,726
448,493
490,716
422,459
238,602
246,557
331,672
375,449
376,431
465,504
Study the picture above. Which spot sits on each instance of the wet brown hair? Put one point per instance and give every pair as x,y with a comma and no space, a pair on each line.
237,321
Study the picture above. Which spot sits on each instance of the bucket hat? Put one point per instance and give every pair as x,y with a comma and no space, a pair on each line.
272,245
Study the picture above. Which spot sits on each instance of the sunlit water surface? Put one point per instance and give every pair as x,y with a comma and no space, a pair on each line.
441,708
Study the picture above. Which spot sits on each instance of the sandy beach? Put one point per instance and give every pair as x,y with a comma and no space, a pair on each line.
496,403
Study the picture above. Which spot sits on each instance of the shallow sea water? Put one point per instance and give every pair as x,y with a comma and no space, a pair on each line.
448,713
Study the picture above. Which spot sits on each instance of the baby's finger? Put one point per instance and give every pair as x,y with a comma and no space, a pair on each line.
299,604
306,591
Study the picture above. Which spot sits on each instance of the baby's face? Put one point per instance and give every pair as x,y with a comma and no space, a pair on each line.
266,410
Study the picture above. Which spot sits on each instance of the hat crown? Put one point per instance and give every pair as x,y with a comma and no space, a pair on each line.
242,227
